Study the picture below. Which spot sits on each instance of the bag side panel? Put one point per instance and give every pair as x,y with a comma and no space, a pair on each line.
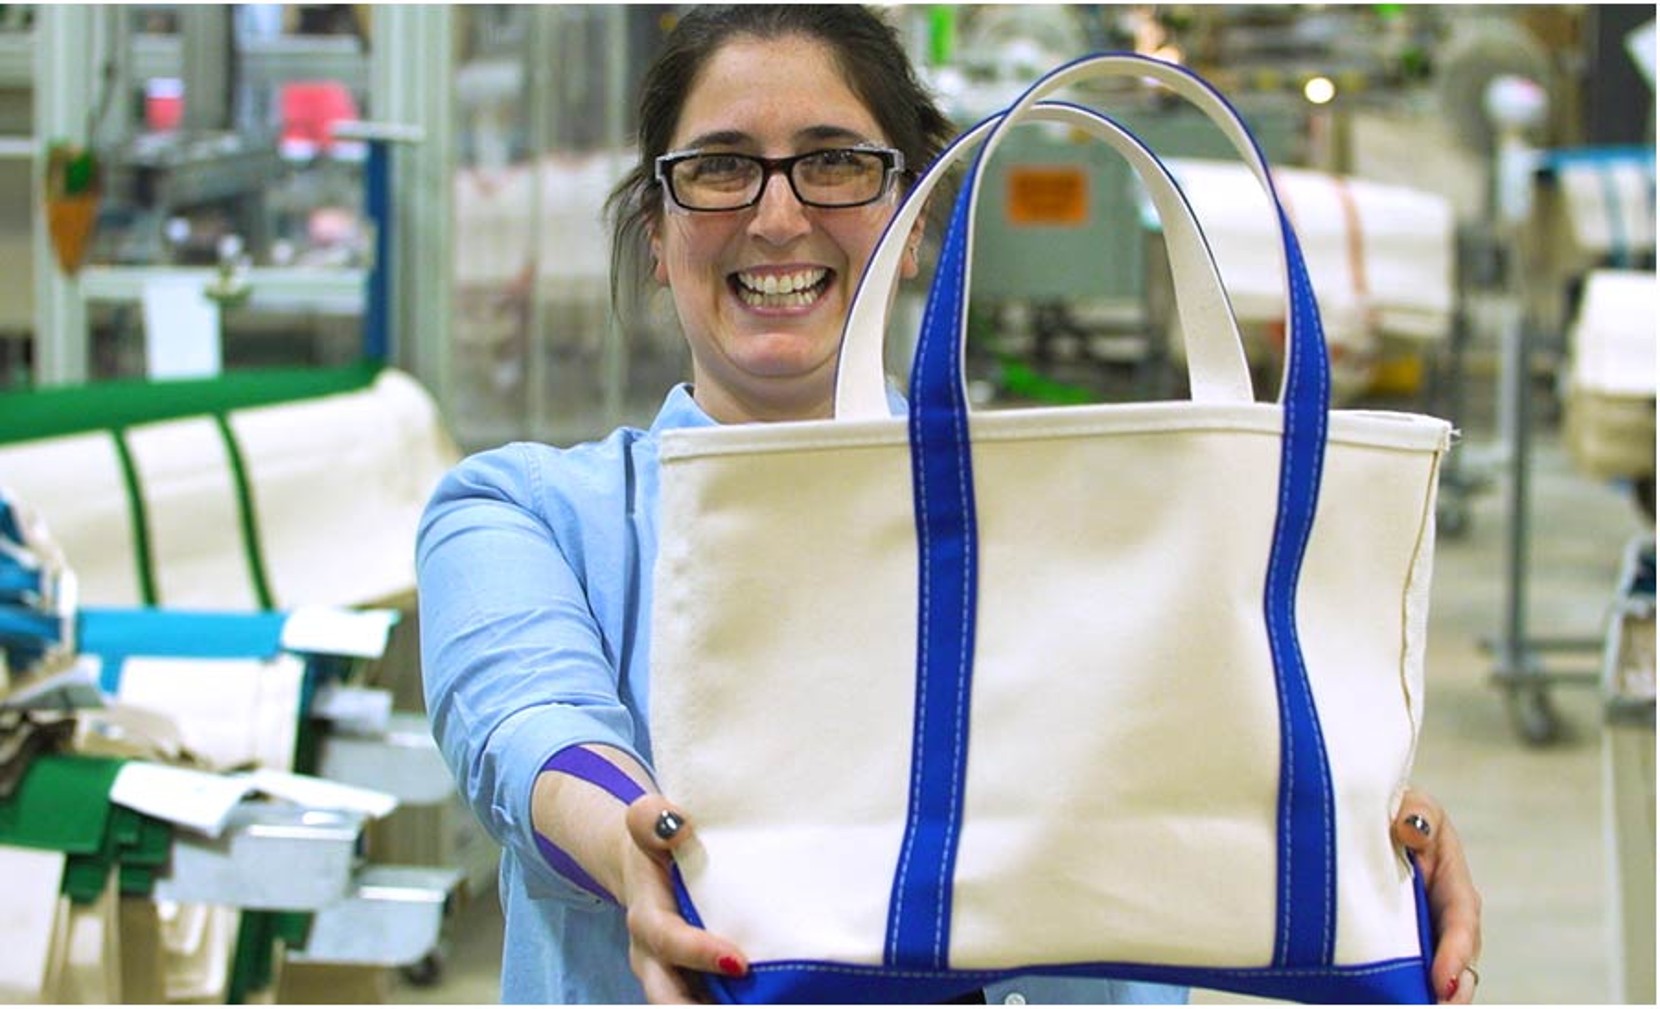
1124,704
1363,613
783,683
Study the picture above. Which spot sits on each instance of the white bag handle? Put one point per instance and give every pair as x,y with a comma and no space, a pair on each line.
1217,366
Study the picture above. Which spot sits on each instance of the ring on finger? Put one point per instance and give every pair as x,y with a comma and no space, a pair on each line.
668,824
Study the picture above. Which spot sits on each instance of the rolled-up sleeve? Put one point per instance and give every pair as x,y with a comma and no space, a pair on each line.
515,666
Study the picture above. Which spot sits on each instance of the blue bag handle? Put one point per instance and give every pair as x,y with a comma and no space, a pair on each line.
942,474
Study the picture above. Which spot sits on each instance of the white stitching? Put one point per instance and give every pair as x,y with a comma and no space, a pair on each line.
960,436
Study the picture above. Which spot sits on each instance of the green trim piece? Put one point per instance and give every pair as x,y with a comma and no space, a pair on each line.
50,412
252,547
1021,380
143,555
256,938
293,928
251,958
62,804
84,877
145,844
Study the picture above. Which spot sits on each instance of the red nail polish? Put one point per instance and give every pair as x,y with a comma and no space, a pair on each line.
1452,989
731,967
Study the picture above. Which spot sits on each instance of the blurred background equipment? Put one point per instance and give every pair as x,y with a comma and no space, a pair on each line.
275,194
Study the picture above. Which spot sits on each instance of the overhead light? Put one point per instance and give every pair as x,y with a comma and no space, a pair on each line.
1319,90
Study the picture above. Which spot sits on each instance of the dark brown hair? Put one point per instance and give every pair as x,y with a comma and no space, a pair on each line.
866,48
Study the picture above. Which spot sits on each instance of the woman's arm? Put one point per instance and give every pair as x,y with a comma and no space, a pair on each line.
514,666
526,706
622,848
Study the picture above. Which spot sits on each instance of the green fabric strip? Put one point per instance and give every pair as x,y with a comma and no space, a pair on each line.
62,804
143,555
253,547
61,410
253,960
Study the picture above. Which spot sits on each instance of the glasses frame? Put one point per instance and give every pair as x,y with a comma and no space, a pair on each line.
892,158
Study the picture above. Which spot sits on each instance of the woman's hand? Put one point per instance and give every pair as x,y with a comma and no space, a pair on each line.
661,944
1423,828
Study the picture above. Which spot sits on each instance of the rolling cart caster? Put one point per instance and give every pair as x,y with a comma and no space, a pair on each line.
1642,491
1533,714
425,972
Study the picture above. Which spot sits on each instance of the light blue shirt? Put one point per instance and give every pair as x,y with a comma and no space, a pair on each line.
535,596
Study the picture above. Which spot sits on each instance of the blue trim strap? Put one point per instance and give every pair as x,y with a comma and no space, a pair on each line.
1306,930
919,914
801,982
919,911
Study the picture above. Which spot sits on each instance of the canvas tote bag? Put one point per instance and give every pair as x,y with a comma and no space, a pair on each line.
1126,690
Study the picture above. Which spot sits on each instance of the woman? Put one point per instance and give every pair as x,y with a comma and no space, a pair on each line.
772,139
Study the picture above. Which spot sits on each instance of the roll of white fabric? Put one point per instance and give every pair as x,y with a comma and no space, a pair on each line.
1404,244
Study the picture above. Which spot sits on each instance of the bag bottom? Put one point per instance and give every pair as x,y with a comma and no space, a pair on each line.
807,983
1405,980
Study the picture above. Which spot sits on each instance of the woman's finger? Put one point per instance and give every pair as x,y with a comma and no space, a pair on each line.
663,984
1422,827
658,825
660,936
1418,823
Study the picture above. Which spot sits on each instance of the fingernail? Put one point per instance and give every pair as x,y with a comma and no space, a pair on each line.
1452,989
1418,823
731,966
668,824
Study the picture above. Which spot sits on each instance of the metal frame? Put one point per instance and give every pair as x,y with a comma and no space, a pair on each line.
411,81
71,41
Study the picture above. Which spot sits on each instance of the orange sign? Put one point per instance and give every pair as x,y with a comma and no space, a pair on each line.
1053,195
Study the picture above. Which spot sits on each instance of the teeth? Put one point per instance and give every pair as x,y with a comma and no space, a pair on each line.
788,283
795,299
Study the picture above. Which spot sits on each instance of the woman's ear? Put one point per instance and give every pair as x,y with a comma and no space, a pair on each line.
909,264
658,270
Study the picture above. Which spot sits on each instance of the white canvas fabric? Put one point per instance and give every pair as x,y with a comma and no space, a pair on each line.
1609,423
229,712
337,484
191,509
1120,740
1405,237
1613,340
31,930
1609,204
74,484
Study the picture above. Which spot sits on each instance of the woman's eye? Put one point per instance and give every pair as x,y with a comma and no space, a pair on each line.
716,166
835,159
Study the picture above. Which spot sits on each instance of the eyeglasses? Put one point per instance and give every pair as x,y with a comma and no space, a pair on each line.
839,177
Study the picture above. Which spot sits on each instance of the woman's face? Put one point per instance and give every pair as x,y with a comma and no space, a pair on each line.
758,356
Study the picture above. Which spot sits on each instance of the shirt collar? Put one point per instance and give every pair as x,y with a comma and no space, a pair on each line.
681,410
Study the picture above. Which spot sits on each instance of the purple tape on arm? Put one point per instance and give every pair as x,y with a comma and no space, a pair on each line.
579,762
562,863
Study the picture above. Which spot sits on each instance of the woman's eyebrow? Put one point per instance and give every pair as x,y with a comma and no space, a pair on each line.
839,134
811,134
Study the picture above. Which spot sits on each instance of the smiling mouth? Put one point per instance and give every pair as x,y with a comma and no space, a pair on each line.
799,289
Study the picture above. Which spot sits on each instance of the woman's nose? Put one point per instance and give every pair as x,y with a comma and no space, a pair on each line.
779,216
